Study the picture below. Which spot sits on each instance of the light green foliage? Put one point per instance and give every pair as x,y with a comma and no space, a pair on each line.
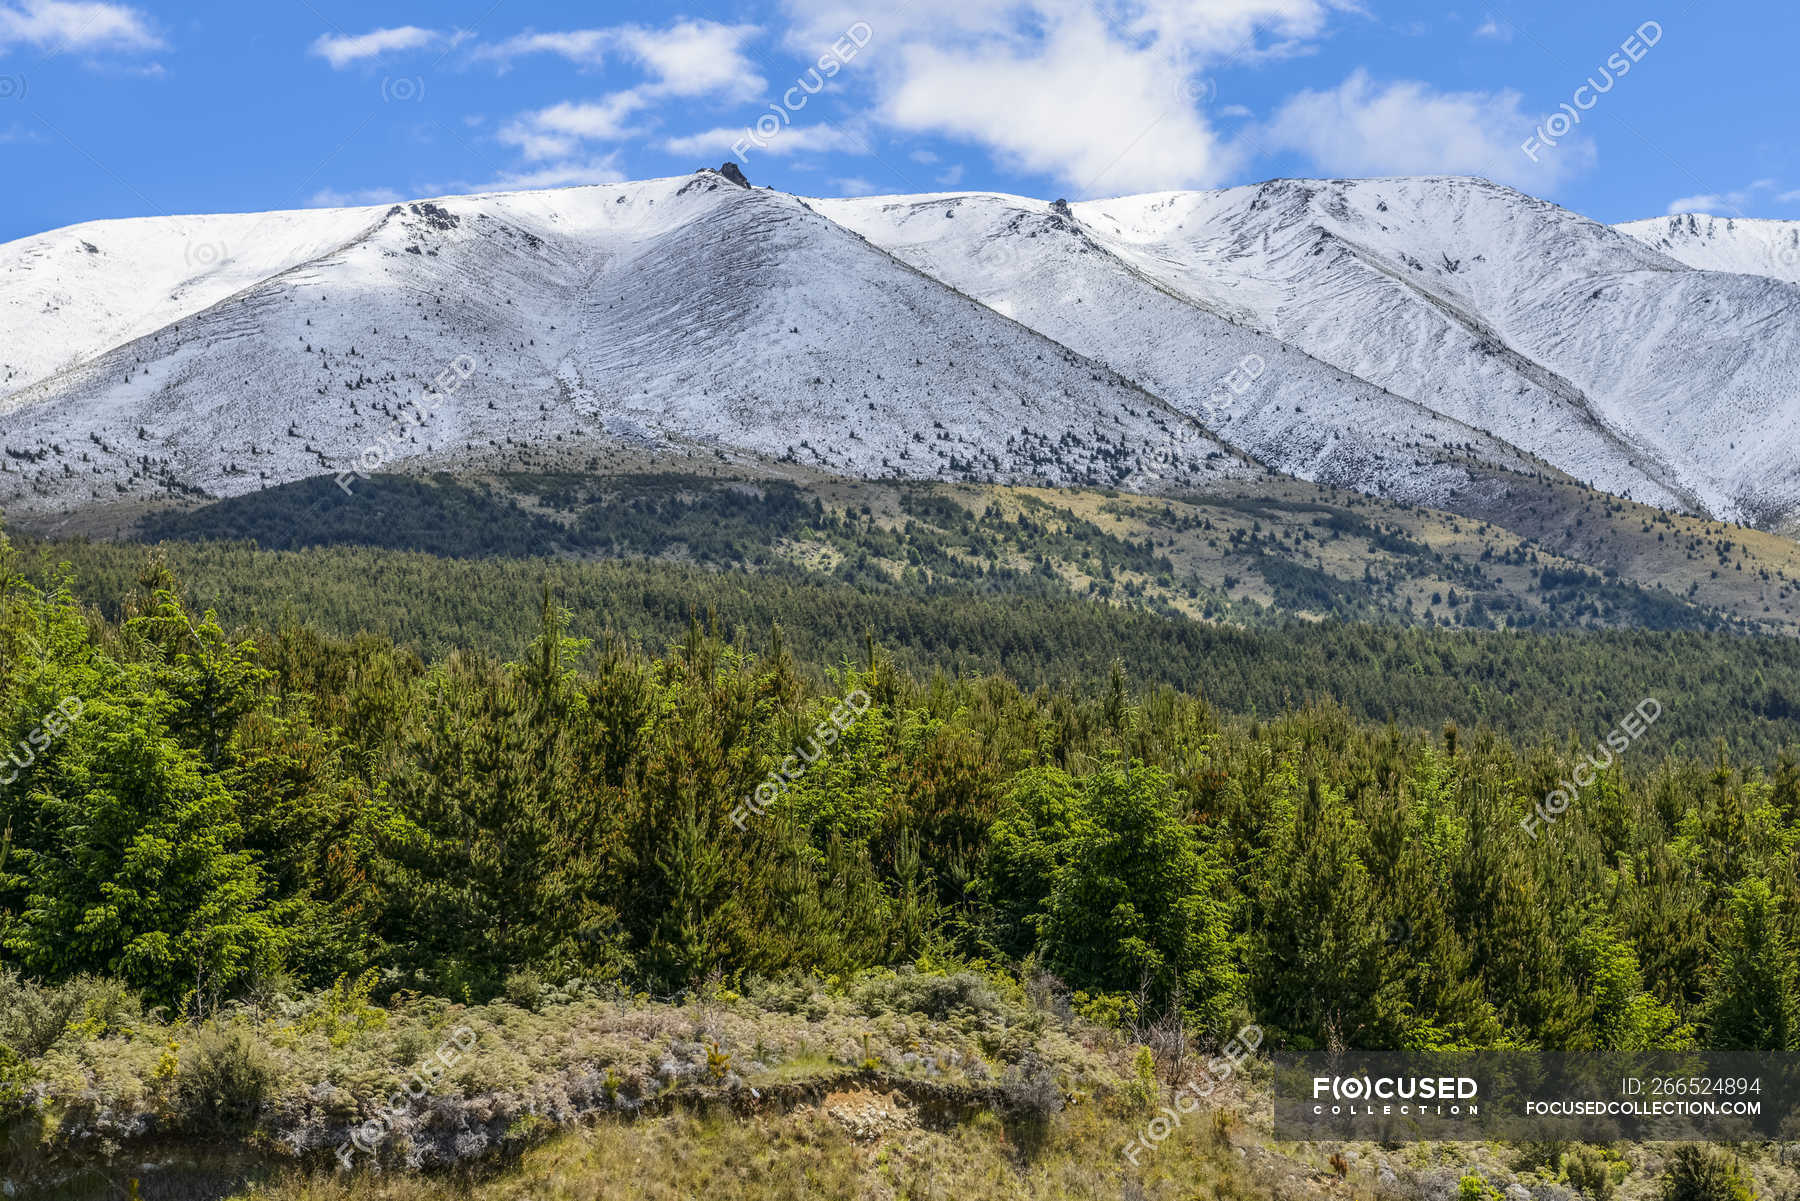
1626,1018
1699,1173
1130,896
343,1011
1474,1187
127,851
1750,1006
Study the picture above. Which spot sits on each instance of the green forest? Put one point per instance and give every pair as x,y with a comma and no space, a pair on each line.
205,808
1528,684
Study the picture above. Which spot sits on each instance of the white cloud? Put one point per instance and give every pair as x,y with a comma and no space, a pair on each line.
855,186
1409,128
572,173
555,132
1709,204
951,177
1734,203
689,58
587,46
1495,29
1789,197
58,25
798,139
1087,113
696,58
1088,92
340,50
330,198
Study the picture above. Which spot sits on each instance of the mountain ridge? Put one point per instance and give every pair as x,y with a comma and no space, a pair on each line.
1415,338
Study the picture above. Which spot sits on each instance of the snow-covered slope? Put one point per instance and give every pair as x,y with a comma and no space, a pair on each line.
680,313
70,294
1560,335
1747,246
1034,262
1409,306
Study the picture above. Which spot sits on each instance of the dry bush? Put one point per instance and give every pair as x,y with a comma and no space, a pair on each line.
224,1084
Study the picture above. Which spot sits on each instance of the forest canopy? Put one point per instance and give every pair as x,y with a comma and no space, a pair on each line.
223,811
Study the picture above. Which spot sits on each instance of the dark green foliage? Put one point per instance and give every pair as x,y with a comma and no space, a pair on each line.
947,540
1324,959
223,1084
1526,684
236,811
396,512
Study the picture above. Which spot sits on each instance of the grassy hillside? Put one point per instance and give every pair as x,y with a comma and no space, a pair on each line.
1250,553
891,1086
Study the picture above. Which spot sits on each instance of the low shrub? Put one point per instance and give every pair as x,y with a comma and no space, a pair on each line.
1029,1090
224,1083
936,997
1589,1174
1698,1173
34,1017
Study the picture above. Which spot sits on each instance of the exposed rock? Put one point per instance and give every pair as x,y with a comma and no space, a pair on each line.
867,1115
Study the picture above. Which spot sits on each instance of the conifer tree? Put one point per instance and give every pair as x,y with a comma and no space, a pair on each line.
1750,1006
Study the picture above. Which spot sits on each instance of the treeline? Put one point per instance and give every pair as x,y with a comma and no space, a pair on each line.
220,814
1742,690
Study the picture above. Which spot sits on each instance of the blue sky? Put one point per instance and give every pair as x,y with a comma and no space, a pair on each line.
154,107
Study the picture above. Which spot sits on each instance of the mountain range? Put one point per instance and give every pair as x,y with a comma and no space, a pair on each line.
1433,341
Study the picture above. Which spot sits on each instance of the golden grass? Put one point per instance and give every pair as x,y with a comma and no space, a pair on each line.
805,1155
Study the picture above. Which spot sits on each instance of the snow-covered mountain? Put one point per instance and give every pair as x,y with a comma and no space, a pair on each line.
1408,337
1566,339
1040,265
1745,245
677,316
